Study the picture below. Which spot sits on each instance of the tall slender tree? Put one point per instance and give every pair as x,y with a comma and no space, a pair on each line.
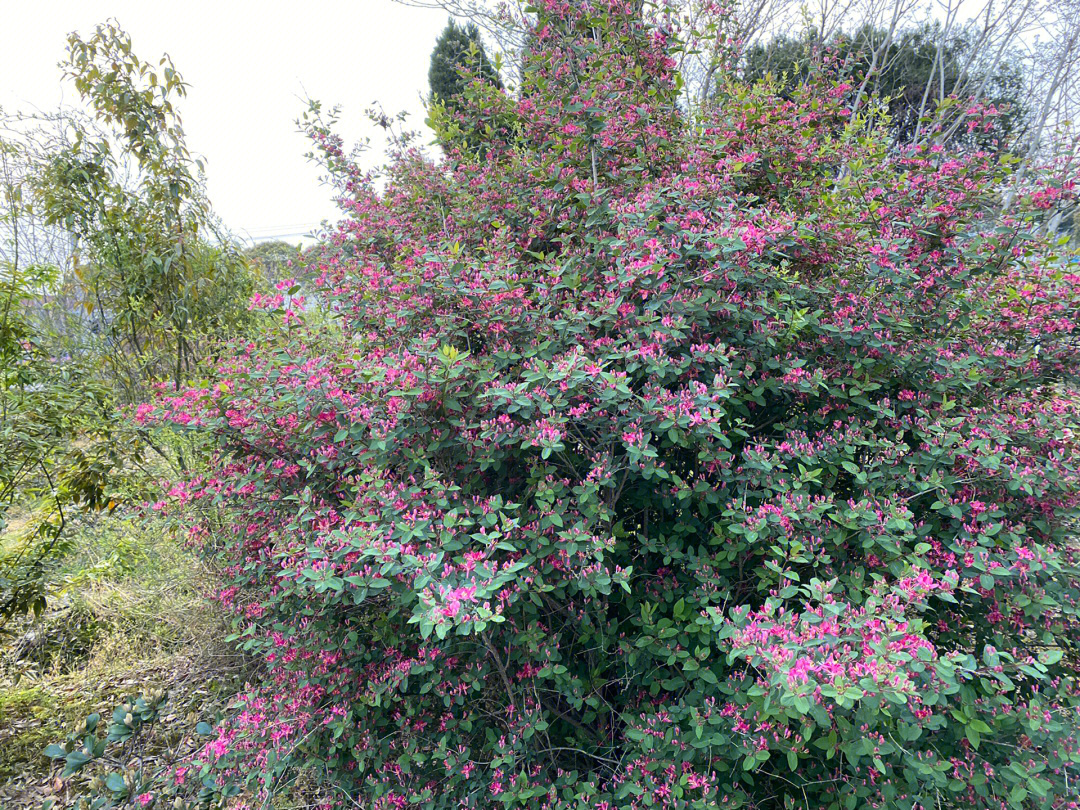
458,47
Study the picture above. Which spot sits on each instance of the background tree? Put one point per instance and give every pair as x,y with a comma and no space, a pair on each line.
1040,38
113,275
160,273
274,259
916,71
457,61
458,47
57,427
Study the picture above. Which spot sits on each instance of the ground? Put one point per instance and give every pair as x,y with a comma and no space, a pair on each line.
129,614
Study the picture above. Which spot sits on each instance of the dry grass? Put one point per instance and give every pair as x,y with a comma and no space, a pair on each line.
130,615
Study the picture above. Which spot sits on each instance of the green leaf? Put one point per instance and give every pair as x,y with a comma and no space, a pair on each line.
973,737
75,760
115,783
1051,657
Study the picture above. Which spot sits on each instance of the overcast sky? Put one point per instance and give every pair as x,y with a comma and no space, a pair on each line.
249,66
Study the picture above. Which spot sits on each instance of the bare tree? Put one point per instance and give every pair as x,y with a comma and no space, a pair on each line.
1054,59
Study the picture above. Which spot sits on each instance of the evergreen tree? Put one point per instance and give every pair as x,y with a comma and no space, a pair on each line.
453,51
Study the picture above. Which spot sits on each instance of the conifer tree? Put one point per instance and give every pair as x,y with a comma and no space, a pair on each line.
454,51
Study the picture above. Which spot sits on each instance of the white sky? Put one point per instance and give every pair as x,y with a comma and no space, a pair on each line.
249,65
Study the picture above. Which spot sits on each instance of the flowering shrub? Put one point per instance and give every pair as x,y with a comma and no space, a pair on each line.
641,462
